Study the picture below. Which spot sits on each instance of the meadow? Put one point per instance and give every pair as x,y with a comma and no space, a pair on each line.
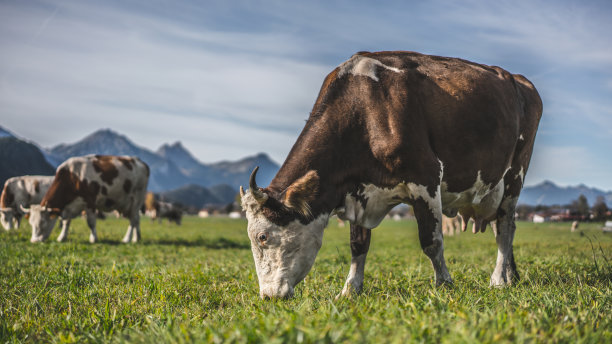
197,283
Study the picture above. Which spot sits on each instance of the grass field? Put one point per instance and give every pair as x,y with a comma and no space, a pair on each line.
197,283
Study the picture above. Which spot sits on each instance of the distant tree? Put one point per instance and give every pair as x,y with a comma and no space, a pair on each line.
581,206
238,200
600,209
523,211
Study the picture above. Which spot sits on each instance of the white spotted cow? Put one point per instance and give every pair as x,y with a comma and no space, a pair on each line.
20,192
92,183
444,135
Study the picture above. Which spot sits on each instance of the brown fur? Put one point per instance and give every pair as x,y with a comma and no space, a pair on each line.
301,192
103,164
7,198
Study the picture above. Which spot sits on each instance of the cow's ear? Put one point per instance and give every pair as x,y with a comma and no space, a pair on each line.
299,194
27,215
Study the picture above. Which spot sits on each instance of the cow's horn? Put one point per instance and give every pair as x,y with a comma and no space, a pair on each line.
25,210
241,191
255,191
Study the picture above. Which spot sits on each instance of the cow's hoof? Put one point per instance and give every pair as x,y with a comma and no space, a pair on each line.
349,290
500,281
446,283
92,239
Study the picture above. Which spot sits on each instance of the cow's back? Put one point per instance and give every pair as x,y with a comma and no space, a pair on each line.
24,190
470,116
101,182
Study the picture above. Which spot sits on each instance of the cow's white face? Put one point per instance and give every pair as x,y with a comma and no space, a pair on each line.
7,218
42,221
283,255
284,248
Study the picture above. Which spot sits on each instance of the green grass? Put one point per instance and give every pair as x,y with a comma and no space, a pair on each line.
197,283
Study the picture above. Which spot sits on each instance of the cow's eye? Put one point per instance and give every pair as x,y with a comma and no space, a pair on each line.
262,237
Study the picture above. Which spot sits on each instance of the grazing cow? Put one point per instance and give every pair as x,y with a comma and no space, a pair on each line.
21,192
167,210
444,135
90,183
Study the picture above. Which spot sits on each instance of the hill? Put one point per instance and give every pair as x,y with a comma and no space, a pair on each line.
20,158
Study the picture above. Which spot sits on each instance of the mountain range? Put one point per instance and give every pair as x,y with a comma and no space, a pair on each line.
548,193
174,170
180,177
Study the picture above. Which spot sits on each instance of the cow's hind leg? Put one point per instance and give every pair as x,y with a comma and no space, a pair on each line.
428,212
91,222
360,244
133,231
505,270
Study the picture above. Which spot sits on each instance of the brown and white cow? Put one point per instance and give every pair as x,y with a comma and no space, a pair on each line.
444,135
20,192
90,183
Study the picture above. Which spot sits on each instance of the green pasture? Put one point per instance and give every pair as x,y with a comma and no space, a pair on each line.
197,283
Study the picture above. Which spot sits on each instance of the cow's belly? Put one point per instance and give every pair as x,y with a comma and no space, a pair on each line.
370,205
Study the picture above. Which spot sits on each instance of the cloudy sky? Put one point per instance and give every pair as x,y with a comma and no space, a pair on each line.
233,78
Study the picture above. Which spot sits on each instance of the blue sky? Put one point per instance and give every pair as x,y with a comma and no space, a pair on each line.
233,78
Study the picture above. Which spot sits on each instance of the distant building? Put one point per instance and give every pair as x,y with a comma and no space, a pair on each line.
537,218
235,215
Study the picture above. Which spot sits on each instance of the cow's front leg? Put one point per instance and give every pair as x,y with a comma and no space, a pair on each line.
65,223
505,270
91,222
429,218
360,244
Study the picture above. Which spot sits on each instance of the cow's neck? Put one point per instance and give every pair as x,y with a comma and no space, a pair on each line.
334,153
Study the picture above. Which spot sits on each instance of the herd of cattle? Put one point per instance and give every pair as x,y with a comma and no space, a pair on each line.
445,135
90,184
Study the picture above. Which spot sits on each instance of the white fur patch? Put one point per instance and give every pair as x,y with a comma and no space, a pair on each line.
483,198
364,66
381,200
521,174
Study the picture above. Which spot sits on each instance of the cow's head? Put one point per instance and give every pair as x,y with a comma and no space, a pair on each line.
8,218
42,220
285,238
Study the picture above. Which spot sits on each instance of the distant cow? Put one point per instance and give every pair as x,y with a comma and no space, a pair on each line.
166,210
445,135
90,183
18,192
